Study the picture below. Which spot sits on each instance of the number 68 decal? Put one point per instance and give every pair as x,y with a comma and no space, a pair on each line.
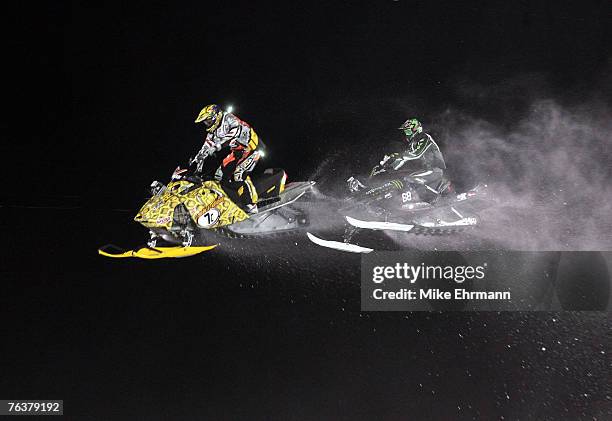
210,218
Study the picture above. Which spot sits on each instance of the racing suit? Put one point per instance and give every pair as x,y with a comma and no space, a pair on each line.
421,165
240,162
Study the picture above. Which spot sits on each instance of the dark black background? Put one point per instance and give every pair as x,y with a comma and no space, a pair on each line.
100,100
113,88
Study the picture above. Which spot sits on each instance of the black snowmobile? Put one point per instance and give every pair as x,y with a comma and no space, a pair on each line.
407,202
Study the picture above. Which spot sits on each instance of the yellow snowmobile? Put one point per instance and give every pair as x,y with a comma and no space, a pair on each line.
178,212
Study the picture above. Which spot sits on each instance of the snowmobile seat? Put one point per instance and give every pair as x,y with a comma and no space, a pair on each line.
271,183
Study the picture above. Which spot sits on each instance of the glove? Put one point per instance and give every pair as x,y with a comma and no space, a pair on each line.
208,148
354,185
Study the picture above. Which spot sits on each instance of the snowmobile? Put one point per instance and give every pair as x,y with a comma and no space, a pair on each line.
179,212
400,205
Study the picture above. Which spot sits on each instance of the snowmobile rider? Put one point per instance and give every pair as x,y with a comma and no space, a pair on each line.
421,165
224,128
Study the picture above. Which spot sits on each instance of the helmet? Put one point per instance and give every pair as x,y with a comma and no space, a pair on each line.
411,127
211,116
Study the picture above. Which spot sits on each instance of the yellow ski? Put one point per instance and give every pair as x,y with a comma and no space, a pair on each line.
153,252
